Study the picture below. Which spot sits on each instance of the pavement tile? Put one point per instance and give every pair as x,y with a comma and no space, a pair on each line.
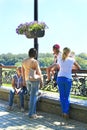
16,120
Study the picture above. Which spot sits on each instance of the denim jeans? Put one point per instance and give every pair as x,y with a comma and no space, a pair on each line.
64,85
21,96
32,87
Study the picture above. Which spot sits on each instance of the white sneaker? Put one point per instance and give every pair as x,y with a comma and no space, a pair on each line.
9,108
34,116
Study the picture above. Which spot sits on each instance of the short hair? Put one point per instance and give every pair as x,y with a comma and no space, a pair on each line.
18,68
32,52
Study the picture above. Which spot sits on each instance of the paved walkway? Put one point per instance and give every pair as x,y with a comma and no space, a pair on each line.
16,120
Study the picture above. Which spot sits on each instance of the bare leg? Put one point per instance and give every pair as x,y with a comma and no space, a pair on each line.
51,70
48,73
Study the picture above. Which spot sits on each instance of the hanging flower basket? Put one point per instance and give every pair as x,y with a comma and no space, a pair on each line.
35,34
32,30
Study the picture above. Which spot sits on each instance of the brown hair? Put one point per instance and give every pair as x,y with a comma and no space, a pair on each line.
32,53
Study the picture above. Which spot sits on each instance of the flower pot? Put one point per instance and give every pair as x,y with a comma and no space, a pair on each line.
35,34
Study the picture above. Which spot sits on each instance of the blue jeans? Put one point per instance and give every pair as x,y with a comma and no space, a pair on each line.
64,85
32,87
21,96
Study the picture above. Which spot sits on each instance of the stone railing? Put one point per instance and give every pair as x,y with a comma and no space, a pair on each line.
6,73
79,86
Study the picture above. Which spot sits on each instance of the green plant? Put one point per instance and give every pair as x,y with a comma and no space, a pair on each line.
31,26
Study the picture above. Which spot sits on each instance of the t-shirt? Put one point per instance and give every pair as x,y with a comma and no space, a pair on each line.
66,67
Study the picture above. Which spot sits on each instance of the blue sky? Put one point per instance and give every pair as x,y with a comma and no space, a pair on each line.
66,19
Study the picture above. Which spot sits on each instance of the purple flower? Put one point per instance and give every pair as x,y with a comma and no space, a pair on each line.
31,26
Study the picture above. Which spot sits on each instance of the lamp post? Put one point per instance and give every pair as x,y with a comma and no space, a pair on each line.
36,19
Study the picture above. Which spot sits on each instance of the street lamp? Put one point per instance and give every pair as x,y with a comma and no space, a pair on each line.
36,19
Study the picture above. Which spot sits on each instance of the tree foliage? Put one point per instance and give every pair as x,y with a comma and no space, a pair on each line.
45,59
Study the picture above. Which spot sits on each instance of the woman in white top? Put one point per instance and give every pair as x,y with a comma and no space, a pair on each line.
64,79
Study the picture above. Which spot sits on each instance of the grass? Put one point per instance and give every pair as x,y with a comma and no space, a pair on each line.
6,85
78,97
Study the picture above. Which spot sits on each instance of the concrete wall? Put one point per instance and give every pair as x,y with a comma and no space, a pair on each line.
49,105
77,112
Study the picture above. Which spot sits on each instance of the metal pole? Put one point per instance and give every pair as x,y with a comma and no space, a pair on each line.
36,19
1,75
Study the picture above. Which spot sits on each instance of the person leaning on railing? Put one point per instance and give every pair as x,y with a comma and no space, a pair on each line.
64,79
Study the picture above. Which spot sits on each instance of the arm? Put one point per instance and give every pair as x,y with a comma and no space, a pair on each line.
77,65
38,71
13,83
23,76
14,87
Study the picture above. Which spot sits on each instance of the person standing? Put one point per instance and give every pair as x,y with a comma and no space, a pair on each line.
32,85
64,79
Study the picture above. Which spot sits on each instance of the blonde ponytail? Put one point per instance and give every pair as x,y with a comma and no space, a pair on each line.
66,51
